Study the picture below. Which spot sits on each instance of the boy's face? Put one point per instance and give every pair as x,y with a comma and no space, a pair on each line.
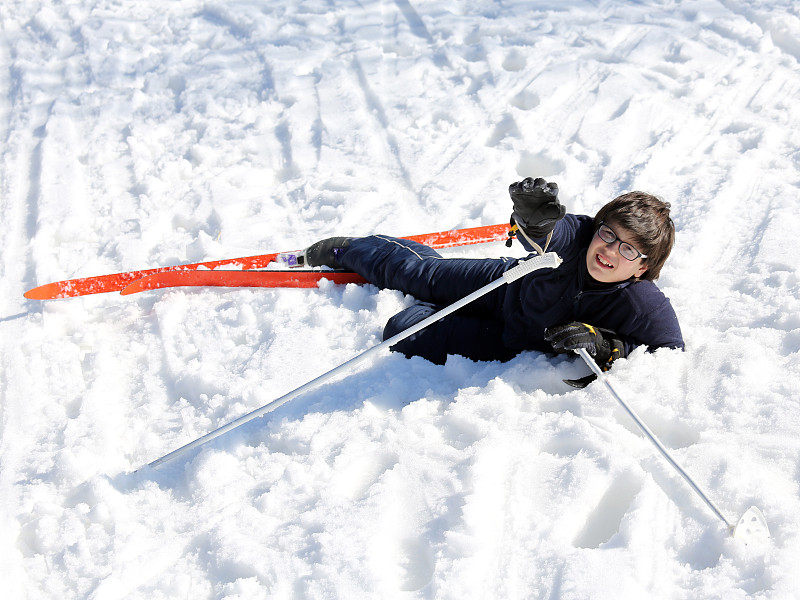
605,263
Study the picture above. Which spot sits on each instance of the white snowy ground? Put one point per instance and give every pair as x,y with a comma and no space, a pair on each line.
137,133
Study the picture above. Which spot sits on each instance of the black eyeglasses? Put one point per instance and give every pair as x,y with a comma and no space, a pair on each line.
626,251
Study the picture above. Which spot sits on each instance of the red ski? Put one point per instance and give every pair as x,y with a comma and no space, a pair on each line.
119,281
221,278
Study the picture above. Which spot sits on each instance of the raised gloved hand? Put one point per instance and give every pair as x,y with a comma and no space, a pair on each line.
536,206
603,344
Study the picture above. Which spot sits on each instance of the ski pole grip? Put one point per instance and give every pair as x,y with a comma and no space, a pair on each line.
549,260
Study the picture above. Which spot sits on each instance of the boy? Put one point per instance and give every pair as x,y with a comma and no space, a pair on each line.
601,298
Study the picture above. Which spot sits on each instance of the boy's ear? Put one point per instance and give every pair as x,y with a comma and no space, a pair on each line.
641,271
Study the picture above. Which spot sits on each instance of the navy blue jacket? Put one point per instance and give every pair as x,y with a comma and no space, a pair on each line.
519,312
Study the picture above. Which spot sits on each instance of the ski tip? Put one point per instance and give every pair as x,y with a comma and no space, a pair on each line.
49,291
135,287
156,281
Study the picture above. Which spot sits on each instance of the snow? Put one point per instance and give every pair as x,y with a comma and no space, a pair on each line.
143,133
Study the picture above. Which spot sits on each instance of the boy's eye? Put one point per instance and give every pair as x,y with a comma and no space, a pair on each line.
606,234
628,251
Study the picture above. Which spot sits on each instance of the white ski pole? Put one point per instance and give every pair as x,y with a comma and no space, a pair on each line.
549,260
752,525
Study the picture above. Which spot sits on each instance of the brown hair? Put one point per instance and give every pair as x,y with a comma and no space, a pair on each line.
647,218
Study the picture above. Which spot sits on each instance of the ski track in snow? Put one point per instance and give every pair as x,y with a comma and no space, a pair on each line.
145,133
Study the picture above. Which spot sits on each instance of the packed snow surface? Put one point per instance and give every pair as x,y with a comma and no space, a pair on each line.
138,133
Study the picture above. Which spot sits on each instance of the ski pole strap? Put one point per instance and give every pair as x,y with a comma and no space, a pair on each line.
517,230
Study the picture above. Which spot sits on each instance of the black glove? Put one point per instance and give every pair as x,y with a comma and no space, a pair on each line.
603,344
325,253
536,206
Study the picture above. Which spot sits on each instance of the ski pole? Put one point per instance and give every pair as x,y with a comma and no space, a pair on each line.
549,260
752,524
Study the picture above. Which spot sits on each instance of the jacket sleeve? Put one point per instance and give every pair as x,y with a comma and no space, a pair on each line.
569,236
653,321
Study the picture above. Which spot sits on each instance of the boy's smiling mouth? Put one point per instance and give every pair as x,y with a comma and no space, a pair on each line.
604,263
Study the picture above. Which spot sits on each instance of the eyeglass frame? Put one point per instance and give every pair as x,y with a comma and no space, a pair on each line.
616,239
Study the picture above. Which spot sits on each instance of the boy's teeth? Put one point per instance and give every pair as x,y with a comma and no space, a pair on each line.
605,262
